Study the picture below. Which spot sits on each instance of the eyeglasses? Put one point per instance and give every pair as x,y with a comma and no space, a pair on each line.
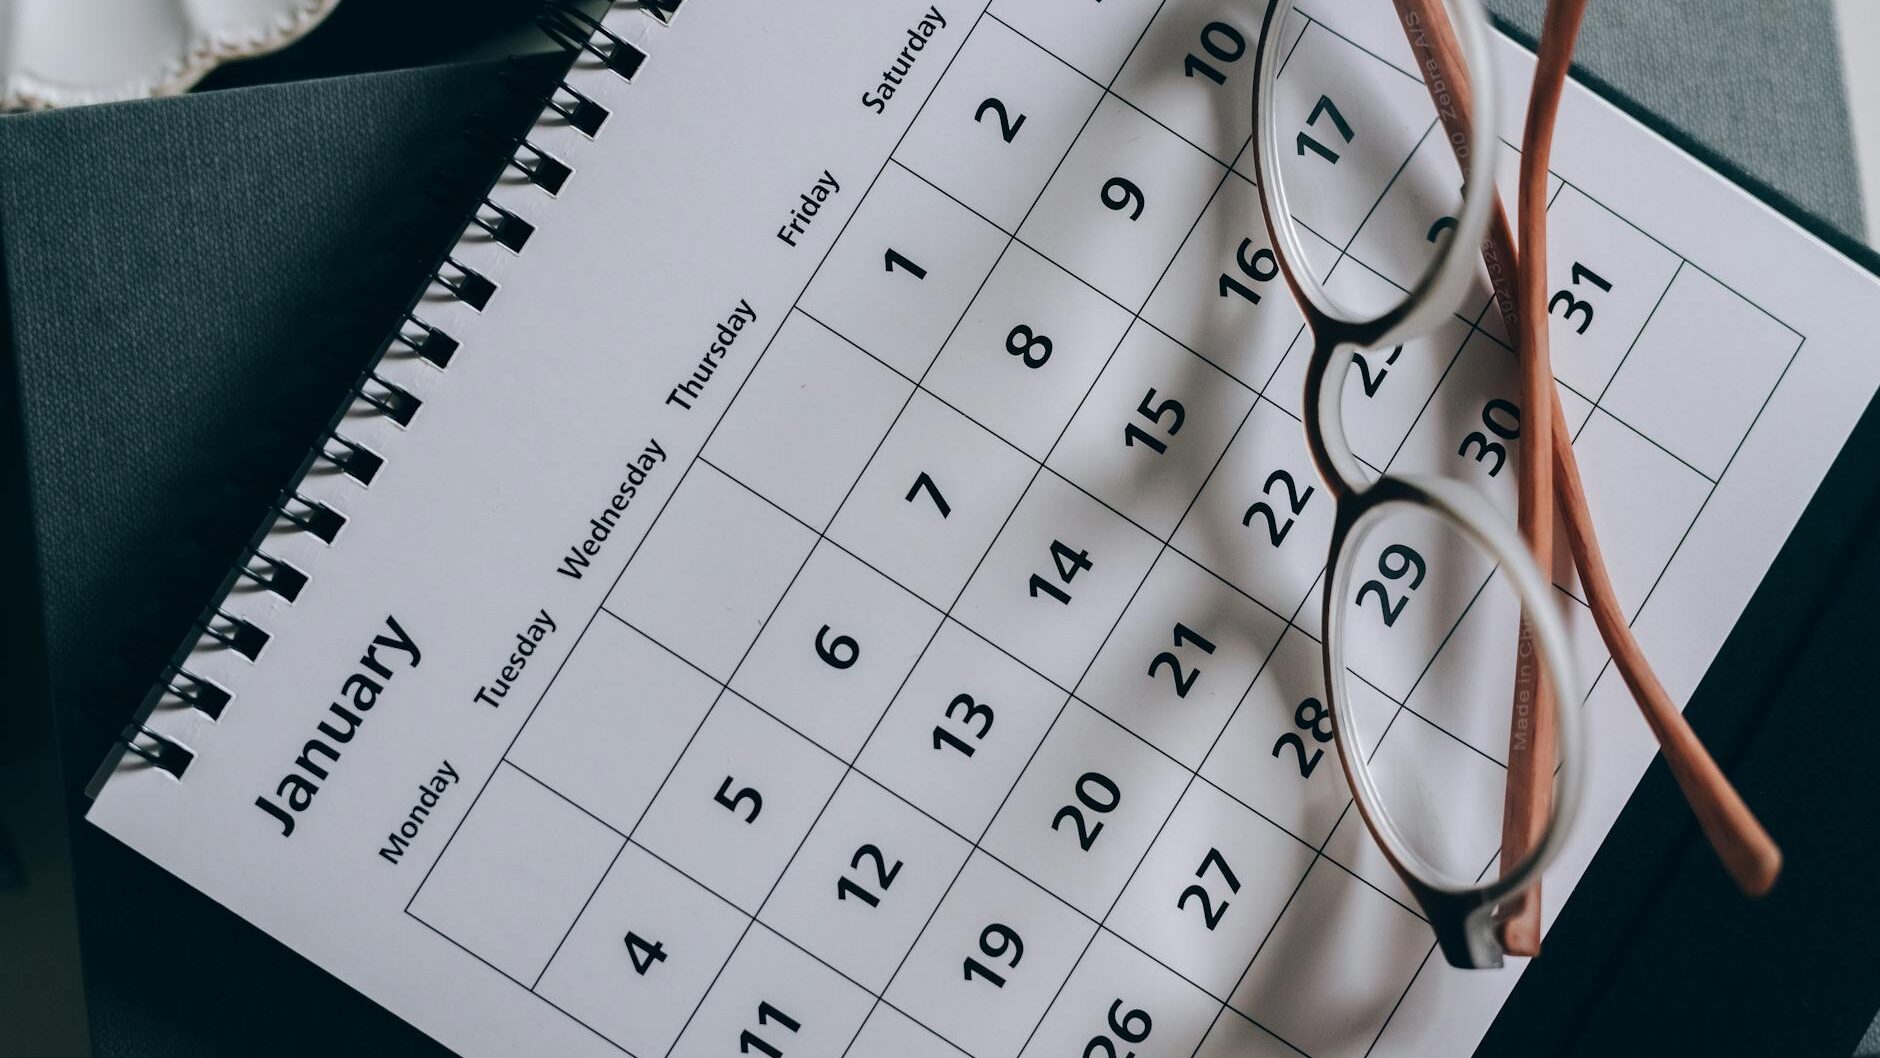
1475,921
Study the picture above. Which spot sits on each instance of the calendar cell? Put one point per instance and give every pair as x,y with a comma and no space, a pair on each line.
1056,580
1224,297
614,718
1334,967
1703,367
1210,889
903,270
1605,277
859,890
1401,238
1412,576
1120,995
1263,522
1234,1035
739,802
1085,810
1468,690
932,499
999,123
514,875
987,965
1193,72
1643,501
829,660
1471,428
646,947
960,731
1445,796
1277,753
1118,208
1181,658
712,568
1354,120
1094,38
774,1000
806,420
892,1034
1386,389
1028,350
1152,428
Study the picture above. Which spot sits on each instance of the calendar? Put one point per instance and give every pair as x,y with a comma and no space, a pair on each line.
854,590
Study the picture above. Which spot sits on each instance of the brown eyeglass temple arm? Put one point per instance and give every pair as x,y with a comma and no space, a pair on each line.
1745,848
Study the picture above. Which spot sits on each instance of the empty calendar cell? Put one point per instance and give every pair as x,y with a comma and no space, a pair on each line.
1604,277
1028,350
829,660
514,875
1445,796
932,499
739,802
710,572
1094,38
646,947
1234,1035
1347,123
1193,72
1385,389
1118,208
1277,753
892,1034
1152,428
1120,995
805,422
774,1000
1181,658
864,883
987,965
1210,889
1264,521
1468,690
1334,967
999,123
1224,297
1700,371
1086,809
904,269
1643,501
1056,580
960,731
616,715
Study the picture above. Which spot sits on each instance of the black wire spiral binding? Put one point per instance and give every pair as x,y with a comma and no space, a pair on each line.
580,34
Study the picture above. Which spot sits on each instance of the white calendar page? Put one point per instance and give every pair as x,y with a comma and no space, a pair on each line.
906,702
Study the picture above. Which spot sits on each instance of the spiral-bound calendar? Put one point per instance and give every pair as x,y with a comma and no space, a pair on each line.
824,567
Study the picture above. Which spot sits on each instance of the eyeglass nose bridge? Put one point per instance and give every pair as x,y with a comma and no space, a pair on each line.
1334,342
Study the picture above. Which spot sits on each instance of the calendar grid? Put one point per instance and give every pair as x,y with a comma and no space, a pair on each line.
822,536
1165,545
1164,542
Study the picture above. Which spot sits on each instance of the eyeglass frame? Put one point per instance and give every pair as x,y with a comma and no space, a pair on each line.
1461,913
